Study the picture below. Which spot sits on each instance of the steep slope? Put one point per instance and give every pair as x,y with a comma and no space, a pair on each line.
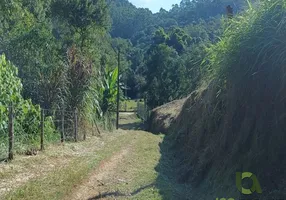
163,117
237,124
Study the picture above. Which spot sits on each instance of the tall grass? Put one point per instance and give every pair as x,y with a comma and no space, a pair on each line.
239,122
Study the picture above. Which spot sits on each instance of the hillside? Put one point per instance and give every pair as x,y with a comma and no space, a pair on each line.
236,123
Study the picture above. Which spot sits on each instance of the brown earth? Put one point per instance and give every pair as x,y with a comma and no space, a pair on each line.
162,117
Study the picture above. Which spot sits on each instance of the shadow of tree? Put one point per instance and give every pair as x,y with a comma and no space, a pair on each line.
167,180
132,126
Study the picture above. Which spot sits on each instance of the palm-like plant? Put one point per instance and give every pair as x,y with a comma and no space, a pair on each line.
108,90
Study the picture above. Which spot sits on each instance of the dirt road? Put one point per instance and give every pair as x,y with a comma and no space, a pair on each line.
120,165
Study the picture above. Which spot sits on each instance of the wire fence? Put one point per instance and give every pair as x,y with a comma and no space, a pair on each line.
29,134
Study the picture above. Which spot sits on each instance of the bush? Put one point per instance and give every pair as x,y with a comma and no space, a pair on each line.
26,115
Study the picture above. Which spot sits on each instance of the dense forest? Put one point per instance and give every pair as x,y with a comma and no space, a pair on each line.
166,49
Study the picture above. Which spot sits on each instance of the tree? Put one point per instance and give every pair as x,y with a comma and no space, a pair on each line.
165,75
82,17
179,39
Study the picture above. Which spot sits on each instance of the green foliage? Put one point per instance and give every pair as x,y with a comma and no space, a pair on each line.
10,85
178,39
160,36
127,19
51,133
81,14
79,20
55,46
173,66
61,48
108,91
187,28
26,115
165,75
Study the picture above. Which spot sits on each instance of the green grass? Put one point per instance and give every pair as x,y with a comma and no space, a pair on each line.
137,168
24,142
141,163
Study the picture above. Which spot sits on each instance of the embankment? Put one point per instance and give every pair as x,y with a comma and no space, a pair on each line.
238,122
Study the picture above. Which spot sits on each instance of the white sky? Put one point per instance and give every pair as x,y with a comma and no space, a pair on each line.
155,5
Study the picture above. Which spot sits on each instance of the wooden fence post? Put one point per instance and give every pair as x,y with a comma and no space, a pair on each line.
97,128
146,114
42,129
75,125
63,127
137,109
11,133
84,130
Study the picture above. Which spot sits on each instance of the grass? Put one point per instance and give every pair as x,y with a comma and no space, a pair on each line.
141,163
23,142
55,185
129,105
59,182
136,174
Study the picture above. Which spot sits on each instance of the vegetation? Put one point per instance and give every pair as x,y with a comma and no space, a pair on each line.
227,55
235,122
54,46
73,165
66,54
27,116
168,46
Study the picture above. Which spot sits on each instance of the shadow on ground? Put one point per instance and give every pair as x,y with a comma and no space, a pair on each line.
130,121
119,194
167,180
132,126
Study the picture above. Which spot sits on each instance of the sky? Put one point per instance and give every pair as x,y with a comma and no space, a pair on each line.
155,5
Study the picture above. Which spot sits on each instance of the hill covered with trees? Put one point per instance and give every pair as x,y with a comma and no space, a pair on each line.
166,49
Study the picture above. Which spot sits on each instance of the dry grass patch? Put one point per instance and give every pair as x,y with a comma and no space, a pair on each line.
53,173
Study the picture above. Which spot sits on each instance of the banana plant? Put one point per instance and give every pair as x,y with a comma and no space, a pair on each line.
108,90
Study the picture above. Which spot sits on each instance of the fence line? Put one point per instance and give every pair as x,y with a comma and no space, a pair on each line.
64,127
52,124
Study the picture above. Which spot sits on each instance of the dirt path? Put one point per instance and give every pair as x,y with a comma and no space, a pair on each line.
119,176
101,177
124,175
